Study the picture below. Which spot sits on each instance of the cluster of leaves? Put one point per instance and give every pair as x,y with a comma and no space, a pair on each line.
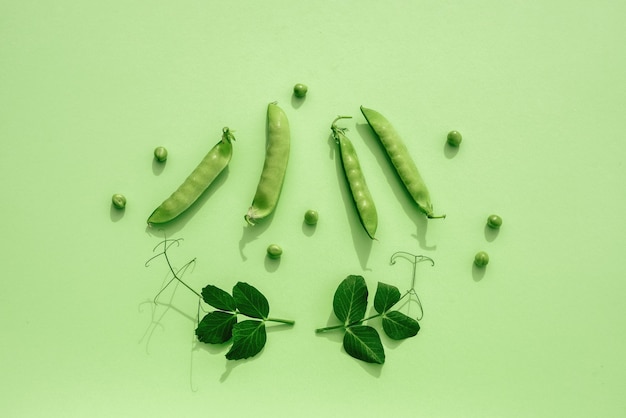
220,326
363,341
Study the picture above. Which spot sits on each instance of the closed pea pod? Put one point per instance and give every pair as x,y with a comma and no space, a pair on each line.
356,180
401,160
197,182
275,165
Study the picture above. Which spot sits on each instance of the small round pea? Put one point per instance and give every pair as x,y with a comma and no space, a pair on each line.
481,259
119,201
454,138
274,251
494,222
160,153
311,216
299,90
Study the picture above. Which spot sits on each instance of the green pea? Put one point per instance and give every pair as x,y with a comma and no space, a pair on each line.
454,138
494,221
481,259
401,160
274,251
310,217
160,153
119,201
356,180
276,158
300,90
198,181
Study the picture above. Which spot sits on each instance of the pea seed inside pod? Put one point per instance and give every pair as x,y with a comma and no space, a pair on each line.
274,251
481,259
160,154
119,201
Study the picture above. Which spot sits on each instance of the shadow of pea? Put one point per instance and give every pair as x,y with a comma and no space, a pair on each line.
307,229
271,264
115,213
296,101
157,166
478,272
491,233
449,151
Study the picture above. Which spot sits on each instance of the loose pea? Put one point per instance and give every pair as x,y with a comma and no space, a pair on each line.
310,217
300,90
356,180
454,138
401,160
119,201
160,153
275,165
494,221
481,259
274,251
198,181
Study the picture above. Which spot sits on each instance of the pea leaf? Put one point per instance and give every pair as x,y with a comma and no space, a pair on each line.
363,342
350,300
250,301
398,326
216,327
386,296
249,338
218,298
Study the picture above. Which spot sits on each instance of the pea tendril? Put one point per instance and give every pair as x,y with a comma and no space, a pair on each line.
413,259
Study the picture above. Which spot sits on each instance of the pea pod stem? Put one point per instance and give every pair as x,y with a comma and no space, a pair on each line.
361,195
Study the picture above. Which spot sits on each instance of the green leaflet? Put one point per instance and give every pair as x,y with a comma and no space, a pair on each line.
216,327
398,326
249,338
386,296
250,301
350,300
363,342
218,298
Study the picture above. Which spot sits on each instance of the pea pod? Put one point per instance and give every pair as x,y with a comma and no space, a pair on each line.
401,160
356,180
198,181
274,167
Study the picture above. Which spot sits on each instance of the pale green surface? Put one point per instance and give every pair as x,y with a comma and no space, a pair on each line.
538,90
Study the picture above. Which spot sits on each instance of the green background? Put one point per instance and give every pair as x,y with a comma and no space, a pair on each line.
538,90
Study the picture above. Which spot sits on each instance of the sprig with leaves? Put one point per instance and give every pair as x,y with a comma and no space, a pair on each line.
221,326
350,305
217,327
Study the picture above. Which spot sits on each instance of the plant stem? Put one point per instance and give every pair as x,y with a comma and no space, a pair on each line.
319,330
282,321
